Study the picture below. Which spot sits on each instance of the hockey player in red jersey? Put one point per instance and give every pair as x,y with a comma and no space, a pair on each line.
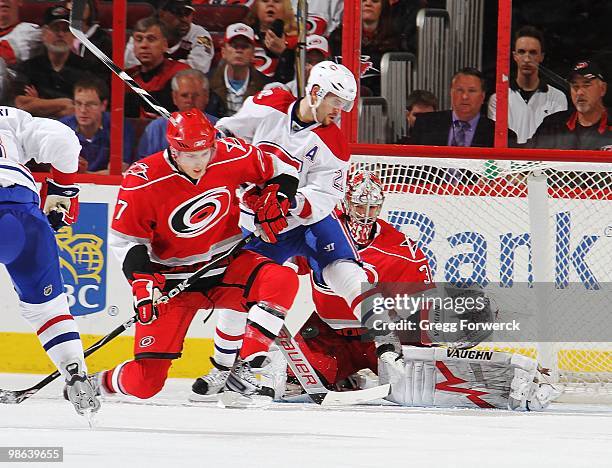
176,211
433,376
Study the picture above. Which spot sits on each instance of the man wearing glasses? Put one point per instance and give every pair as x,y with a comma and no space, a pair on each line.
91,123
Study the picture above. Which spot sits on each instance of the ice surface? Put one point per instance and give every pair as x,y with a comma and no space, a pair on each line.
169,431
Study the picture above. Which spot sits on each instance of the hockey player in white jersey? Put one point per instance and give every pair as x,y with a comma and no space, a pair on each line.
304,134
27,243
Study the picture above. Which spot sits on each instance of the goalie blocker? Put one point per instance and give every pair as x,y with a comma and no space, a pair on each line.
449,377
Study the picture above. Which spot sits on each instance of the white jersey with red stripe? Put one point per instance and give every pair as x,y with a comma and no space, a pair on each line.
391,260
319,153
23,137
184,222
20,43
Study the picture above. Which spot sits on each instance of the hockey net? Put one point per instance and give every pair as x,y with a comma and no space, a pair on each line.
536,235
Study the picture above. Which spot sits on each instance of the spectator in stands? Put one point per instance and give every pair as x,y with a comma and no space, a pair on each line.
44,83
92,125
589,125
324,16
190,89
236,78
317,50
187,42
464,125
97,35
155,70
19,41
275,38
377,38
530,98
419,101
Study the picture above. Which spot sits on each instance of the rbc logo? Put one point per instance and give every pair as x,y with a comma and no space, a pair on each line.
82,249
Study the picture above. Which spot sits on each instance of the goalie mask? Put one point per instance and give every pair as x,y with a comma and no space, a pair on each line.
362,204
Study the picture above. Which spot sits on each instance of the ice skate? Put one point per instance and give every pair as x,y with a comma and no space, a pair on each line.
242,389
80,390
207,387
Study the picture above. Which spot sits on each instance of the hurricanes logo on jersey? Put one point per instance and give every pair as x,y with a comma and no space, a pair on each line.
199,214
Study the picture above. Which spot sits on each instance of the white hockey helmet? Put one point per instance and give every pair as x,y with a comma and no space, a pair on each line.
333,78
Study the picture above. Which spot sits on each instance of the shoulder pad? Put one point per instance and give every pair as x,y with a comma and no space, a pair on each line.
335,140
277,98
146,170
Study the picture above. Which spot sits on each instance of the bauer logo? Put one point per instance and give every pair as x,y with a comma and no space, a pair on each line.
82,249
479,255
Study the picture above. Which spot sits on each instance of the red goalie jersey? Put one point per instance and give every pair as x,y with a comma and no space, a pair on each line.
391,260
184,222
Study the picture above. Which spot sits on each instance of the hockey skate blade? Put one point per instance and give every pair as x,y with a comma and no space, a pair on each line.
197,398
229,399
356,397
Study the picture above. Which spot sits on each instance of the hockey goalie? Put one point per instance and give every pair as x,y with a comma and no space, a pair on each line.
426,374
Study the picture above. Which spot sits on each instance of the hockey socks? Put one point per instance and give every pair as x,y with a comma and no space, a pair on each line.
56,329
263,325
228,336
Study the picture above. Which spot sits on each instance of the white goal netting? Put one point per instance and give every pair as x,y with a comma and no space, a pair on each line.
536,235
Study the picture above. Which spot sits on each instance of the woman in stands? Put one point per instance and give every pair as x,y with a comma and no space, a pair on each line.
377,37
276,32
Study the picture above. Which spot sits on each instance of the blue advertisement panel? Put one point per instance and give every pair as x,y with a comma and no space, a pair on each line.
83,257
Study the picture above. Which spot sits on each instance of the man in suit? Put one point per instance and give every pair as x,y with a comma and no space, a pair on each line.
464,124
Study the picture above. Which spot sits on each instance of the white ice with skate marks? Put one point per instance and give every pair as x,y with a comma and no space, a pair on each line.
169,431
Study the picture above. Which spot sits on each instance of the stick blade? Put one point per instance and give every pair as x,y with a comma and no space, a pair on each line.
356,397
12,397
76,15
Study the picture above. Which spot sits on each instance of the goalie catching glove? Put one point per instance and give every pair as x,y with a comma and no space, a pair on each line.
146,289
60,203
270,208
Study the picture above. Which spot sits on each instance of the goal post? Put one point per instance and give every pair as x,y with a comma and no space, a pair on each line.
536,235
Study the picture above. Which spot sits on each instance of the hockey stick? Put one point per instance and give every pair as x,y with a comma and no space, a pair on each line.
311,383
188,282
13,397
76,27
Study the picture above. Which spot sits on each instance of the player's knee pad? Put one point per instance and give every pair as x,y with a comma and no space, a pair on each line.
346,278
40,314
144,378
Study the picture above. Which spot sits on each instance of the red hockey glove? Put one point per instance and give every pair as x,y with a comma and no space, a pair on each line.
146,289
60,203
271,210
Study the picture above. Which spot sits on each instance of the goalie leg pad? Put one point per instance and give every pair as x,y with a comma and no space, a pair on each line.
470,378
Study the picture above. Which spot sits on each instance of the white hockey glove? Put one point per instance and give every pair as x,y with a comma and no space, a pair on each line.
393,364
528,392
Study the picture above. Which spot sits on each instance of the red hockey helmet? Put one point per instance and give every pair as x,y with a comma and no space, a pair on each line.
190,131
